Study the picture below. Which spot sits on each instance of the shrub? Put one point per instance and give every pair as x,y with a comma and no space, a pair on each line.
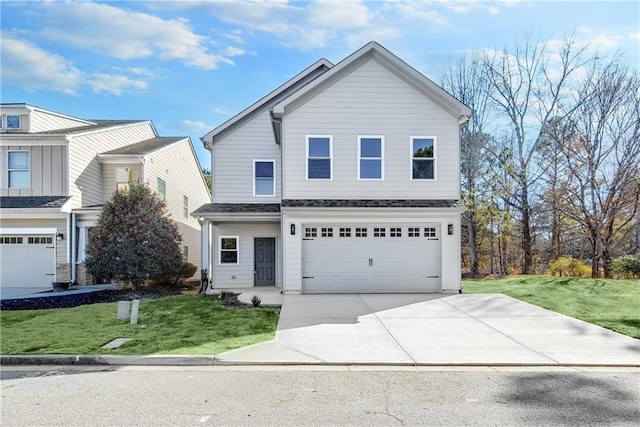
187,270
627,266
569,266
134,240
256,300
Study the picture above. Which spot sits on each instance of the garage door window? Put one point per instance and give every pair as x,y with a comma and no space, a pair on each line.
414,232
379,232
395,232
229,250
327,232
40,240
345,232
310,232
361,232
429,232
11,240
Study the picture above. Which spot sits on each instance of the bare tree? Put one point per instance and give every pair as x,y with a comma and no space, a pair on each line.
465,81
529,90
604,159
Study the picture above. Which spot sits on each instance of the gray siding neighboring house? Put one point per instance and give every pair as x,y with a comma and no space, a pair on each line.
364,159
57,171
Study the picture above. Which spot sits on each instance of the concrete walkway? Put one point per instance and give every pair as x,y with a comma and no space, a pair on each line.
433,329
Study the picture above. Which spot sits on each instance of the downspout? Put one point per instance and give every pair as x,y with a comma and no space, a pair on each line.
74,257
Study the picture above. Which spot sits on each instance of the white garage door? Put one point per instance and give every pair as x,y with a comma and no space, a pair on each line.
27,261
370,258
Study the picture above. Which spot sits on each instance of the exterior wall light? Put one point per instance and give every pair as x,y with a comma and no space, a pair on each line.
59,236
293,229
450,229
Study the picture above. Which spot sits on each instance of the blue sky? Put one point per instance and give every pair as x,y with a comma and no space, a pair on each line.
189,66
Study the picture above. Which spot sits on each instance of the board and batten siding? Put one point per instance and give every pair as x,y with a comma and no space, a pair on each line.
232,159
85,172
371,100
180,170
234,276
48,166
42,121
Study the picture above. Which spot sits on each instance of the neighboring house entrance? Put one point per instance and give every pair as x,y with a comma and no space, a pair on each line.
265,261
371,258
28,261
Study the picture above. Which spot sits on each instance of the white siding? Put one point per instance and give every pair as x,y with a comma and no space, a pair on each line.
48,168
371,100
109,176
178,167
42,121
232,160
223,276
85,172
58,223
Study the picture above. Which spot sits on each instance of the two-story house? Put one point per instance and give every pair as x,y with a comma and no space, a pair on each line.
344,179
56,172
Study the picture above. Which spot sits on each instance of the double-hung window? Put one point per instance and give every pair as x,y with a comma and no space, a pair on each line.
229,250
423,157
13,122
264,182
162,189
18,163
185,207
319,151
371,157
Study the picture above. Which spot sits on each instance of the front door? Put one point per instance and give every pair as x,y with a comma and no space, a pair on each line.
264,261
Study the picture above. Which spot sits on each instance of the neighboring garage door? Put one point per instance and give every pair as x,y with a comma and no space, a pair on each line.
371,258
27,261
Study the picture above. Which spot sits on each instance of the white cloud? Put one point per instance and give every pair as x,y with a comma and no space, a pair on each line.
635,35
123,34
195,126
423,12
115,84
26,65
222,111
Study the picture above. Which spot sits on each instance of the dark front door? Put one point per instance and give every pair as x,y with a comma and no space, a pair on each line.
265,261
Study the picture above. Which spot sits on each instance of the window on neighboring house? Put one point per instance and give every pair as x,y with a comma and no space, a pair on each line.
185,253
162,190
319,150
13,122
423,157
18,163
370,157
264,183
185,207
229,250
1,121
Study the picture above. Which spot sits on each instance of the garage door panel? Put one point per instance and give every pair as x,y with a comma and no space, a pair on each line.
27,261
407,262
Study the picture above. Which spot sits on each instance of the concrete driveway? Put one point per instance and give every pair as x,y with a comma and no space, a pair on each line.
433,329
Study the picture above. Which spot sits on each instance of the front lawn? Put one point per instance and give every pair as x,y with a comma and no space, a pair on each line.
613,304
185,324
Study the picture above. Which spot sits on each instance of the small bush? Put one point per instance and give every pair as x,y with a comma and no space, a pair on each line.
256,300
188,270
569,266
627,267
225,295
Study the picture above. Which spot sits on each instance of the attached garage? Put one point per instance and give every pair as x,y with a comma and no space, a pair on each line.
27,260
371,258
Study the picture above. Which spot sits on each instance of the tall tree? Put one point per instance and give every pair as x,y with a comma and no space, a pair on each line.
465,81
528,90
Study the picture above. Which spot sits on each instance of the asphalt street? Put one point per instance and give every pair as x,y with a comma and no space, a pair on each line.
318,396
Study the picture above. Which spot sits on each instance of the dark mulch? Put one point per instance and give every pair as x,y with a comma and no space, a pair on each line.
109,295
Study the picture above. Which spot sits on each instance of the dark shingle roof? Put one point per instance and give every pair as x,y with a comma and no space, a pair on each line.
33,202
145,147
238,208
322,203
99,124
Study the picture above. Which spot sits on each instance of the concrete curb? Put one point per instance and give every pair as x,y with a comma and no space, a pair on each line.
113,360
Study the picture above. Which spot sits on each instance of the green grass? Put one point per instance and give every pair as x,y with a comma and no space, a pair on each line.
185,324
613,304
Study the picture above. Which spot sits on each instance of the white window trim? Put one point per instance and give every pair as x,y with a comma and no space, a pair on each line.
220,250
19,121
164,199
435,158
273,190
306,158
10,170
381,138
185,206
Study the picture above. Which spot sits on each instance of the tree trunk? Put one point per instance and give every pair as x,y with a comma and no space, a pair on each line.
471,237
526,231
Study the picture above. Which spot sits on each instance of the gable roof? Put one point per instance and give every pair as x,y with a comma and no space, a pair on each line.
284,90
21,202
144,147
394,64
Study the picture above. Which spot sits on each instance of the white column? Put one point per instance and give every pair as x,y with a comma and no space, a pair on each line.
205,247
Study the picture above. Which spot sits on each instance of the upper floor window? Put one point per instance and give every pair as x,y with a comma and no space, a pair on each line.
185,253
18,163
264,183
371,157
185,207
162,190
122,179
319,151
423,157
13,122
